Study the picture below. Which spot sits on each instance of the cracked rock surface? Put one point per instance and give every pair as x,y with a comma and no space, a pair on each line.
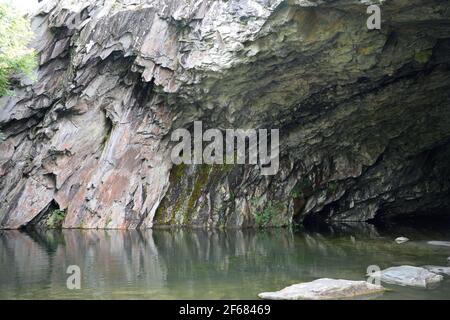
364,115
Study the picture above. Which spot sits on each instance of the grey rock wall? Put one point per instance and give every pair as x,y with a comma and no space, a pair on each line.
364,115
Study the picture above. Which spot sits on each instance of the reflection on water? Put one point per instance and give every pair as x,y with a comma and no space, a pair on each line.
200,264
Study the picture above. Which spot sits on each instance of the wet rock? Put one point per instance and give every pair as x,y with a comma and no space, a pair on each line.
439,270
400,240
324,289
409,276
440,243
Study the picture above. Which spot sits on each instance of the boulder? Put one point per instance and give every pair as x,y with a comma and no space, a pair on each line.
445,271
324,289
409,276
401,240
440,243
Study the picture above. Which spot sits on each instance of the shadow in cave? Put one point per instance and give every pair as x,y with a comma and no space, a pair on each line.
419,226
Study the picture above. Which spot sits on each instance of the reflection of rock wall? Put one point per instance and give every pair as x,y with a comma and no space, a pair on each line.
39,261
113,261
185,264
111,258
189,250
17,253
364,115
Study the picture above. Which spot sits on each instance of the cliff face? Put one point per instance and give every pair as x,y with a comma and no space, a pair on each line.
364,116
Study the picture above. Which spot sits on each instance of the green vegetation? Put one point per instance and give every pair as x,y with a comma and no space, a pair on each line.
179,206
56,218
201,180
110,220
268,214
301,189
264,217
423,56
296,191
333,187
271,214
15,56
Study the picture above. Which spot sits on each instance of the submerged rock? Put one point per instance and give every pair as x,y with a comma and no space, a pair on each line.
440,243
409,276
401,240
324,289
438,270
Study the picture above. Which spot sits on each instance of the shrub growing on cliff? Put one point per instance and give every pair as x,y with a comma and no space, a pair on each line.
56,218
15,56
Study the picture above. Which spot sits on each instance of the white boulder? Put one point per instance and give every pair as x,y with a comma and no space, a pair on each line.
323,289
438,270
440,243
409,276
401,240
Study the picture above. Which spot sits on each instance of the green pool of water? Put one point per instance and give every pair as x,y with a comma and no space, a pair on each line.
200,264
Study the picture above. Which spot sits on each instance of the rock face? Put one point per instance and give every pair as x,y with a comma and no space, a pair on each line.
409,276
324,289
364,115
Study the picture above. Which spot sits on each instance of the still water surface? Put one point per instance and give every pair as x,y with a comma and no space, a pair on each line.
199,264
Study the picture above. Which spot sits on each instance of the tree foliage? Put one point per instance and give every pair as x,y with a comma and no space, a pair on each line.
15,56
